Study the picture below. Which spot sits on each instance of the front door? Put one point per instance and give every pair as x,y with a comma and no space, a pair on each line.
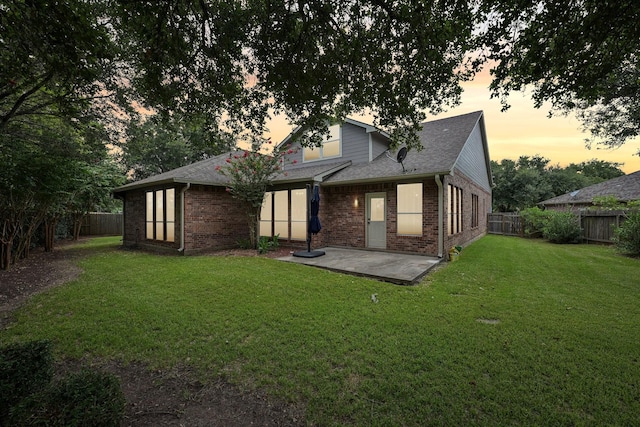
376,221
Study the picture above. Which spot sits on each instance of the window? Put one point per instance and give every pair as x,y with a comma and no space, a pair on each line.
281,213
474,211
299,214
455,209
160,215
275,218
410,209
329,148
266,215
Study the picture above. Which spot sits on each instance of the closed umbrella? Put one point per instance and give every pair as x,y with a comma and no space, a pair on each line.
314,221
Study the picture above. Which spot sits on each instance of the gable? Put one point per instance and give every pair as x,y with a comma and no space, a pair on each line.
359,143
473,159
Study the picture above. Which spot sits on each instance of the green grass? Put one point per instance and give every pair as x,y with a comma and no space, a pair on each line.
517,332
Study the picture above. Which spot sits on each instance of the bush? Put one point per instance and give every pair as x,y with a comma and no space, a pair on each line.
562,227
534,220
266,244
24,369
627,236
84,398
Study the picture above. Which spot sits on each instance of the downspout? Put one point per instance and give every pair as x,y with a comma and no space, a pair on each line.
440,216
182,208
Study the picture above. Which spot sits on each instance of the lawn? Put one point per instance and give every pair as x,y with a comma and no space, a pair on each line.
517,332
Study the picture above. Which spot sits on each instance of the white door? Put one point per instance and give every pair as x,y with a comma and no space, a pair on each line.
376,221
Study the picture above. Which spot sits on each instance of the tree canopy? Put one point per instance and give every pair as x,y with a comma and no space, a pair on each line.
579,56
524,183
233,62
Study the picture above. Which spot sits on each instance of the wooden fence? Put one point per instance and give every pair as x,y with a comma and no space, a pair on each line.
102,224
507,223
597,226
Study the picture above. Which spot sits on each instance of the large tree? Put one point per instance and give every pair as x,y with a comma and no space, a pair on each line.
56,58
578,56
524,183
314,61
154,145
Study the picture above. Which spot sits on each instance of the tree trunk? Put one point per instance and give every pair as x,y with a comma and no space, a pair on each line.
253,229
77,226
49,233
5,261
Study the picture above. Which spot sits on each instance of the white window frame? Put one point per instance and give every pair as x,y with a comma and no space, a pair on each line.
335,136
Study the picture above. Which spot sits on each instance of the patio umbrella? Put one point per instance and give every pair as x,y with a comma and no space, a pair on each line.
314,221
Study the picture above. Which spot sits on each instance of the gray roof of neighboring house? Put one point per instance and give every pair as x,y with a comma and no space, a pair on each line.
624,188
442,140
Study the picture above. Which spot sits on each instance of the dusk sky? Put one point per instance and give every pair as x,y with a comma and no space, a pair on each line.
522,131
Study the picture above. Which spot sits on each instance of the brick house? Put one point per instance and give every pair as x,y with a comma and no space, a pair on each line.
435,199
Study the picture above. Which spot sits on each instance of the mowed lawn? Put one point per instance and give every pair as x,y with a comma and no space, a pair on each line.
517,332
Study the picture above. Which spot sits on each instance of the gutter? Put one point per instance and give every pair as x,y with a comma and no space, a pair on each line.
181,249
440,216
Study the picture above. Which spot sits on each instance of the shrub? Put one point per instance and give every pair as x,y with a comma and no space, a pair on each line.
79,399
562,227
266,244
627,236
534,220
24,369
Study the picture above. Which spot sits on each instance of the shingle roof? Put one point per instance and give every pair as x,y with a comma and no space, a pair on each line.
204,172
624,188
442,140
310,173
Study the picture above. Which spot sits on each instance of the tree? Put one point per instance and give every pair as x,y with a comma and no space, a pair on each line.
55,58
155,145
522,184
45,164
313,61
250,174
580,56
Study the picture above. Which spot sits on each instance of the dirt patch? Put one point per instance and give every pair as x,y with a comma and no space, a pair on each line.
154,397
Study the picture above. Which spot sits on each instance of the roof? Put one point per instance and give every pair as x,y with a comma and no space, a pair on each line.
625,188
442,141
367,127
204,172
201,172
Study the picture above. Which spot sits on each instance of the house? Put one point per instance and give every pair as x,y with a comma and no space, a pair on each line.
625,188
435,199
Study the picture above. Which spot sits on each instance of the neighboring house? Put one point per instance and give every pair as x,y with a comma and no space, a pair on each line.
625,188
438,198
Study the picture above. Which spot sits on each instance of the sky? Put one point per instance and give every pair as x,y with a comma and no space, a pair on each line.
522,130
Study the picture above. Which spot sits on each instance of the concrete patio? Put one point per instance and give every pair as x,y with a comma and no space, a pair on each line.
402,269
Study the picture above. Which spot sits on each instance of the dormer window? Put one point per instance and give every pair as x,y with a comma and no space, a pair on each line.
331,147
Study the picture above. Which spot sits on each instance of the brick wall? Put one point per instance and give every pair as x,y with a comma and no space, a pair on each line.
344,223
133,216
214,219
468,234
